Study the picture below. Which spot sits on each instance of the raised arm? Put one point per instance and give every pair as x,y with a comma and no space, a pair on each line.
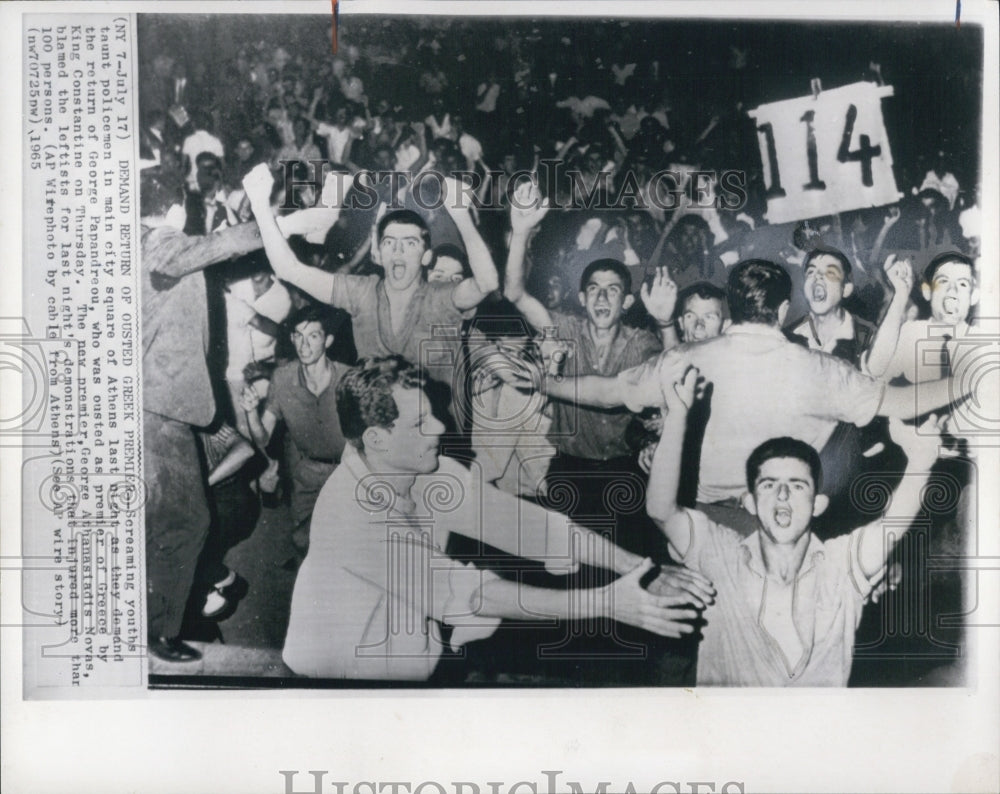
469,293
921,448
881,356
319,284
665,472
526,212
175,254
660,300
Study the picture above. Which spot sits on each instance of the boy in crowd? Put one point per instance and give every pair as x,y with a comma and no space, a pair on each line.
400,312
372,594
788,604
763,386
302,394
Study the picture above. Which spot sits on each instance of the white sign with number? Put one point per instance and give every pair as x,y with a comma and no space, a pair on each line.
825,154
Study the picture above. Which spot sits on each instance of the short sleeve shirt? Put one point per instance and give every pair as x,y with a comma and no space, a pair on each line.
827,600
763,387
311,419
595,433
376,582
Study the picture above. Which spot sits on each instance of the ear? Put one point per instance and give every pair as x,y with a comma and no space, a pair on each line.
583,298
925,290
974,297
783,312
328,341
373,438
848,289
725,324
425,260
749,503
820,503
627,303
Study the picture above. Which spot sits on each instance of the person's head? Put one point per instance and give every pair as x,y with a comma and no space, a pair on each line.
759,291
156,196
385,414
949,286
301,129
384,158
312,333
606,292
451,265
556,290
700,309
692,236
244,150
784,476
208,173
403,247
827,279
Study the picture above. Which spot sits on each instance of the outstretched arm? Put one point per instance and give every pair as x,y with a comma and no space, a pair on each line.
921,448
287,267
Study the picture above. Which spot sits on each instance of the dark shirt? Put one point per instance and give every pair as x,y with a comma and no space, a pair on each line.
311,419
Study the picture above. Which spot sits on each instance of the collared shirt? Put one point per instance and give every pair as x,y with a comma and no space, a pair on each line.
175,374
827,598
311,419
763,387
596,433
428,335
245,342
850,341
926,350
376,580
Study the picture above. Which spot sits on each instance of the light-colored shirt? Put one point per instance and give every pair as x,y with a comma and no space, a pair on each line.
246,343
827,599
763,387
336,140
376,582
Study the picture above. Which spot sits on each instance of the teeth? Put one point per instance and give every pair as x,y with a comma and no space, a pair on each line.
783,518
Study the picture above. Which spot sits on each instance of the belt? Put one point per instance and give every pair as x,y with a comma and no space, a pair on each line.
327,461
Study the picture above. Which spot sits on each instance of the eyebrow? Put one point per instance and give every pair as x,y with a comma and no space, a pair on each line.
775,479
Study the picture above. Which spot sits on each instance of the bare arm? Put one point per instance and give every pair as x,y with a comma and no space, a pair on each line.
665,471
470,292
882,352
526,212
237,455
287,267
906,402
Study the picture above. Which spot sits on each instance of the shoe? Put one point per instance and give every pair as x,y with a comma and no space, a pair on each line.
171,649
221,601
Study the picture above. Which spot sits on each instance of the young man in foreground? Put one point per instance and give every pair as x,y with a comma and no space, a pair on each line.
376,591
788,604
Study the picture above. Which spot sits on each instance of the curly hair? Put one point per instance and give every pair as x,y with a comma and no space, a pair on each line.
364,394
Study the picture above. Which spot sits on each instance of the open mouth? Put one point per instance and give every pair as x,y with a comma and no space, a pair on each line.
819,293
602,312
950,305
783,517
398,272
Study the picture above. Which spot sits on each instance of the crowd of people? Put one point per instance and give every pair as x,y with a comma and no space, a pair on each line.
518,434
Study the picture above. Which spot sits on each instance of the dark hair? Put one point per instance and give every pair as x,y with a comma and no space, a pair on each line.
784,447
156,197
364,394
408,217
946,258
756,289
829,250
310,313
700,289
453,251
612,266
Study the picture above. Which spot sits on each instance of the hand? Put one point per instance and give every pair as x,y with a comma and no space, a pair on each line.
889,581
676,580
418,127
452,194
527,208
666,615
258,185
318,93
921,444
645,458
511,369
900,274
679,385
249,399
660,298
891,216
